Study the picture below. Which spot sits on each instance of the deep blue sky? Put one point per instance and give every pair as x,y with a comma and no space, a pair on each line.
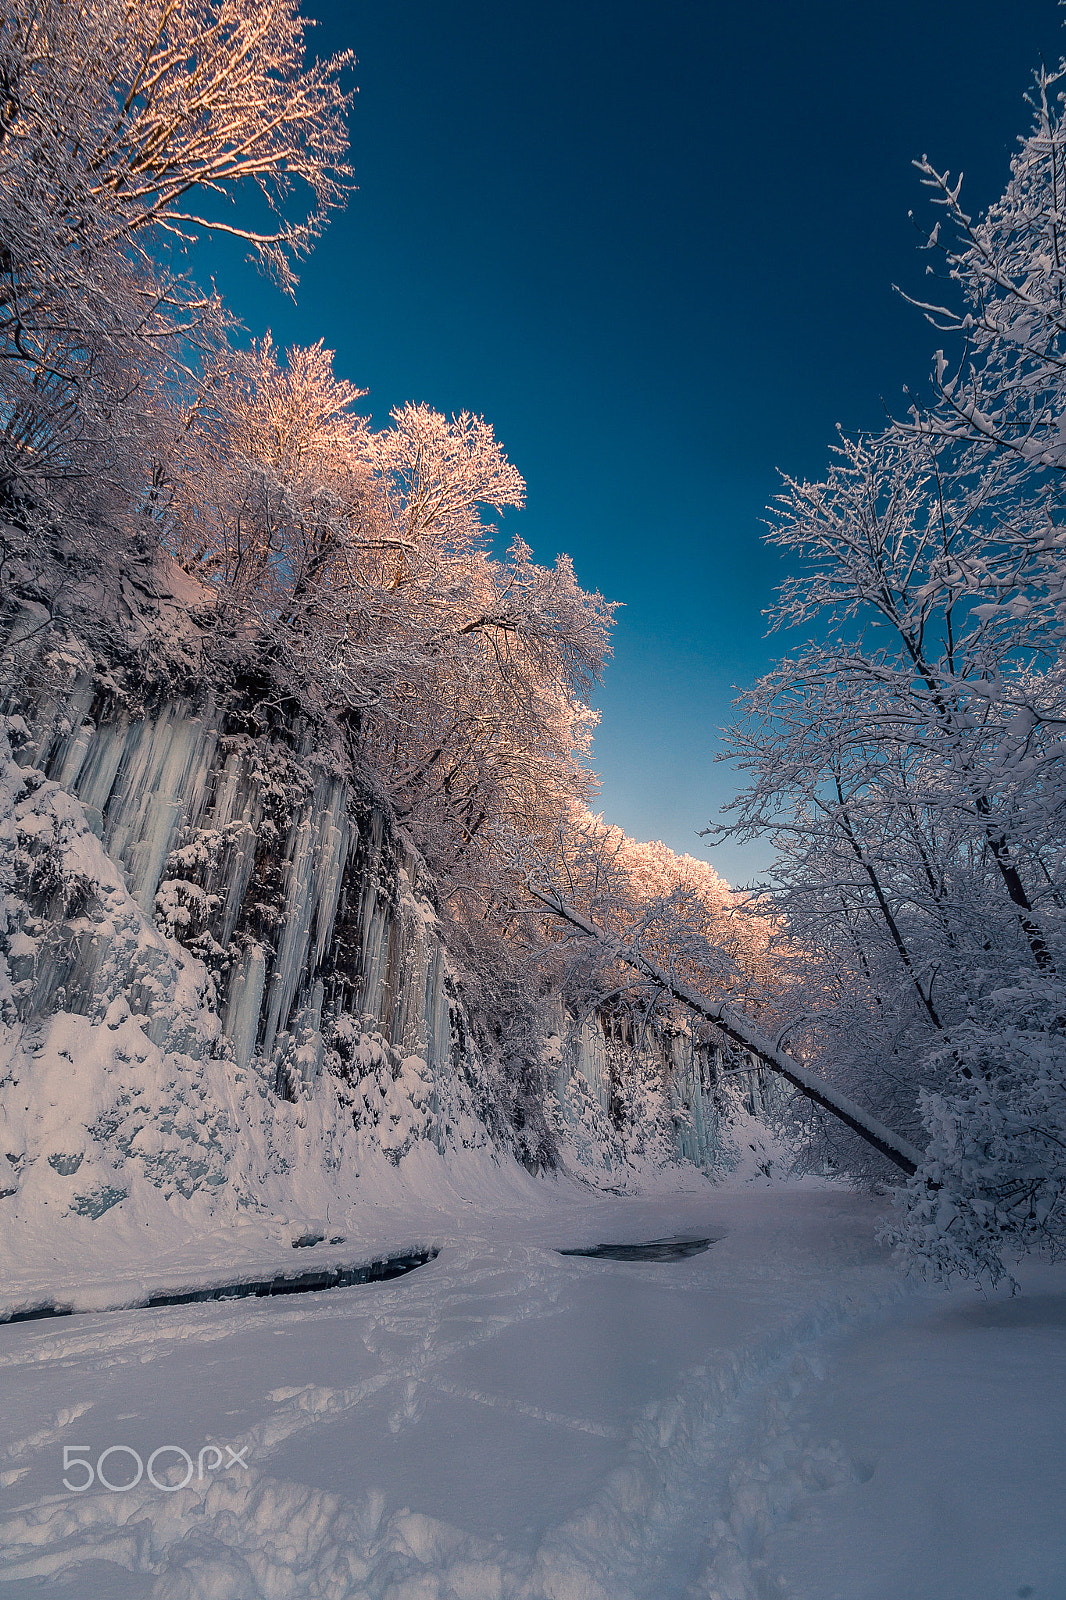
654,244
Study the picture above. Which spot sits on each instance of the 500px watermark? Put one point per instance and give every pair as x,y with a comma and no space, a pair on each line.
77,1459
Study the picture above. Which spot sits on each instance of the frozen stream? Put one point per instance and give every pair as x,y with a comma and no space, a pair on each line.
774,1416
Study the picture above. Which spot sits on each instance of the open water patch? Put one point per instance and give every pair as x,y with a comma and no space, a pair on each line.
259,1288
653,1250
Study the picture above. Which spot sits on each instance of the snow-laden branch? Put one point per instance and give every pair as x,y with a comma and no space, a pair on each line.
742,1031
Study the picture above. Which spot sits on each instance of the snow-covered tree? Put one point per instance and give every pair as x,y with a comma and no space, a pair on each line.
486,722
123,126
349,575
1003,393
993,1182
908,759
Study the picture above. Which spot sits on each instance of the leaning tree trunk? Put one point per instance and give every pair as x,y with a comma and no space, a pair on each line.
736,1026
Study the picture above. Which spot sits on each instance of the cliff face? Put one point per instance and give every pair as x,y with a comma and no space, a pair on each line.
308,915
224,971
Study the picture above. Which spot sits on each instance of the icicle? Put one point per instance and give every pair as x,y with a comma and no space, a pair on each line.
245,1006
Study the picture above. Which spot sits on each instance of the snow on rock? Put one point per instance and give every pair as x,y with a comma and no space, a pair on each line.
121,1098
224,994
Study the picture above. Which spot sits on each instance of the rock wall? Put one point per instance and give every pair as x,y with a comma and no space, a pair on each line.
314,925
264,864
626,1094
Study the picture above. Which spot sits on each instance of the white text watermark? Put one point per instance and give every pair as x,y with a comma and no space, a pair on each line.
120,1467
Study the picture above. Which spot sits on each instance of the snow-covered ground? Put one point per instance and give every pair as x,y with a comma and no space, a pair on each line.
780,1416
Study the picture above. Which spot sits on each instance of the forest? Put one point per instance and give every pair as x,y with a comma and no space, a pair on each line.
340,595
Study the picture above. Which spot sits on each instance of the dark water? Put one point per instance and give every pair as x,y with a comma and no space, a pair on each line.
283,1283
654,1250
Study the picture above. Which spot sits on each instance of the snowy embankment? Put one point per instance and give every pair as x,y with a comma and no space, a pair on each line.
782,1415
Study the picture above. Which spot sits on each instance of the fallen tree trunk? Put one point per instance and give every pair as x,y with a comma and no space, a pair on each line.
736,1026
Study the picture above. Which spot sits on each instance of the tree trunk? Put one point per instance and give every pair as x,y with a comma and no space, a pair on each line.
736,1026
